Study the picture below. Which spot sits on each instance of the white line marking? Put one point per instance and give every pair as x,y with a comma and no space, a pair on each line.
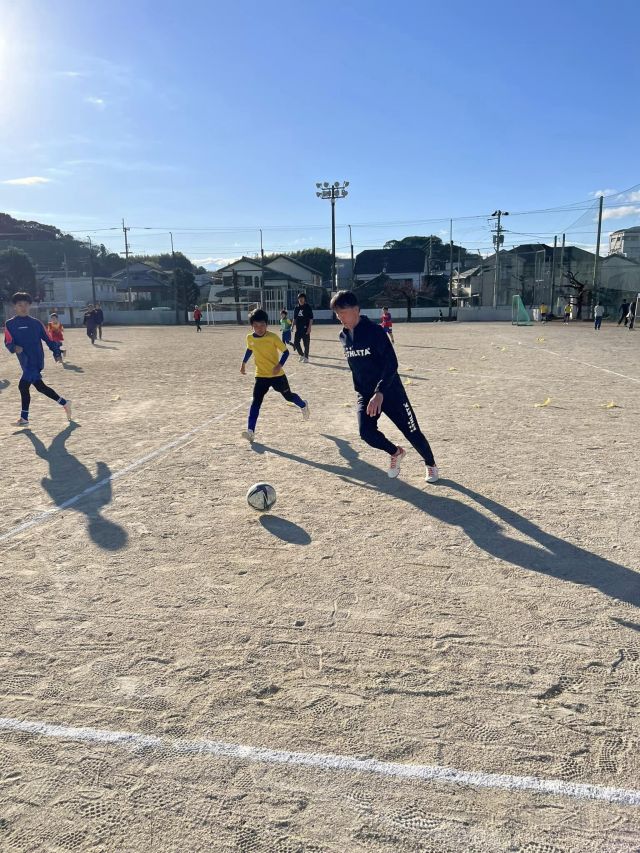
425,772
177,442
578,361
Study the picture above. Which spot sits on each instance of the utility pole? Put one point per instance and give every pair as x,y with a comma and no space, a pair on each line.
553,271
429,256
450,268
126,260
498,239
332,192
236,295
597,257
93,277
261,266
352,261
175,281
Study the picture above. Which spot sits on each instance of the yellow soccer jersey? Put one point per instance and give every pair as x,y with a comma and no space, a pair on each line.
267,351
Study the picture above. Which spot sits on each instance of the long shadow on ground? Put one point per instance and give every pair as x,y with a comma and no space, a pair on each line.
68,477
550,555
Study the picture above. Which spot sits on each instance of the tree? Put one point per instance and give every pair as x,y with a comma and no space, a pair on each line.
16,272
402,289
439,251
187,291
580,289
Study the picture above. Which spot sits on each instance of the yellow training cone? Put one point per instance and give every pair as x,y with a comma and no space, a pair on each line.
611,405
542,405
453,370
114,399
540,340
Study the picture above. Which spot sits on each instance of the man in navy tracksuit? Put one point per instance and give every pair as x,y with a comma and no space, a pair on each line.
23,336
374,366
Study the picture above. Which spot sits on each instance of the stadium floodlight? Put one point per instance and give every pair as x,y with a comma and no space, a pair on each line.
331,192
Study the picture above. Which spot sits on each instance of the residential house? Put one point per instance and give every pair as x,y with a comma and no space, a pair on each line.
296,269
403,265
144,283
269,287
530,270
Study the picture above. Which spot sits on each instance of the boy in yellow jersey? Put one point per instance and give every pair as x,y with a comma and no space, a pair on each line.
270,355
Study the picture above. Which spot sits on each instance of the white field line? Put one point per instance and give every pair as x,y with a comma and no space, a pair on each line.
578,361
240,752
182,440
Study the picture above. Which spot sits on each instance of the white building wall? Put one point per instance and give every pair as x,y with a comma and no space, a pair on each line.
293,269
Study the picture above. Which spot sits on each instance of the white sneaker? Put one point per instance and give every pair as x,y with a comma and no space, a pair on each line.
432,475
67,408
301,358
249,434
306,413
394,462
21,422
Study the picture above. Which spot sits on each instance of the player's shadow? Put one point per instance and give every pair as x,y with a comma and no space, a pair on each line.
4,384
546,553
72,367
70,484
102,346
285,530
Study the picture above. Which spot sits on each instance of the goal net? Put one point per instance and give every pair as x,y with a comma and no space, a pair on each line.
519,314
227,312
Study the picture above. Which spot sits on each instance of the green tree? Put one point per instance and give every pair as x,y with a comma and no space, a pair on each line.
16,272
439,251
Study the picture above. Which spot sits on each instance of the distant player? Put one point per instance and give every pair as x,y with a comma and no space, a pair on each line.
24,336
387,323
99,319
55,330
197,316
598,313
567,313
543,313
270,355
624,312
285,327
374,367
90,320
303,320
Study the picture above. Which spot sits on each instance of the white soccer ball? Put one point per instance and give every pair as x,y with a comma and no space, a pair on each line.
261,496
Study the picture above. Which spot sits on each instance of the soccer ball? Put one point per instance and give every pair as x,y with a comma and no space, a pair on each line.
261,496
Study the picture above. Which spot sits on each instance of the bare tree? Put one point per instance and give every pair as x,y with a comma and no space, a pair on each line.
580,289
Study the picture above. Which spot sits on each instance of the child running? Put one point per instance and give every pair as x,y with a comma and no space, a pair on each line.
267,347
387,323
285,327
55,330
374,366
23,336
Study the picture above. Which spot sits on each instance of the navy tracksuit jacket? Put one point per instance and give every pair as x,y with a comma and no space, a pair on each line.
374,367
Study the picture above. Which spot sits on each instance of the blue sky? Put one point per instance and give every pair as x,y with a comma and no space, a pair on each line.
214,119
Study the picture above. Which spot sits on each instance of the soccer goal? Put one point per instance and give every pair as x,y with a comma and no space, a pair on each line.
519,314
227,312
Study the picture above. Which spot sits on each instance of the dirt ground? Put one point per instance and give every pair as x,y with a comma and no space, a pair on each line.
488,623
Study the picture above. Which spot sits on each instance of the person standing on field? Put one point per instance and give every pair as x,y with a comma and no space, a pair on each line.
90,321
302,320
624,312
598,313
99,319
197,316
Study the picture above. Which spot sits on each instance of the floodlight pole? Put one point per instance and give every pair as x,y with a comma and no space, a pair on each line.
597,257
332,192
93,276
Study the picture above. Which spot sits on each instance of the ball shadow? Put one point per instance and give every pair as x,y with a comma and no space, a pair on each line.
285,530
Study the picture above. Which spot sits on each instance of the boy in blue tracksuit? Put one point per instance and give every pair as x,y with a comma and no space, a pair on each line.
23,336
374,367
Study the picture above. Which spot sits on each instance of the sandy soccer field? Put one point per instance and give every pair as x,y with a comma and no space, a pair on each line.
375,665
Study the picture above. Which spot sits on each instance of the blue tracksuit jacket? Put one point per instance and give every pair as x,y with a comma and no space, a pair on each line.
29,333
